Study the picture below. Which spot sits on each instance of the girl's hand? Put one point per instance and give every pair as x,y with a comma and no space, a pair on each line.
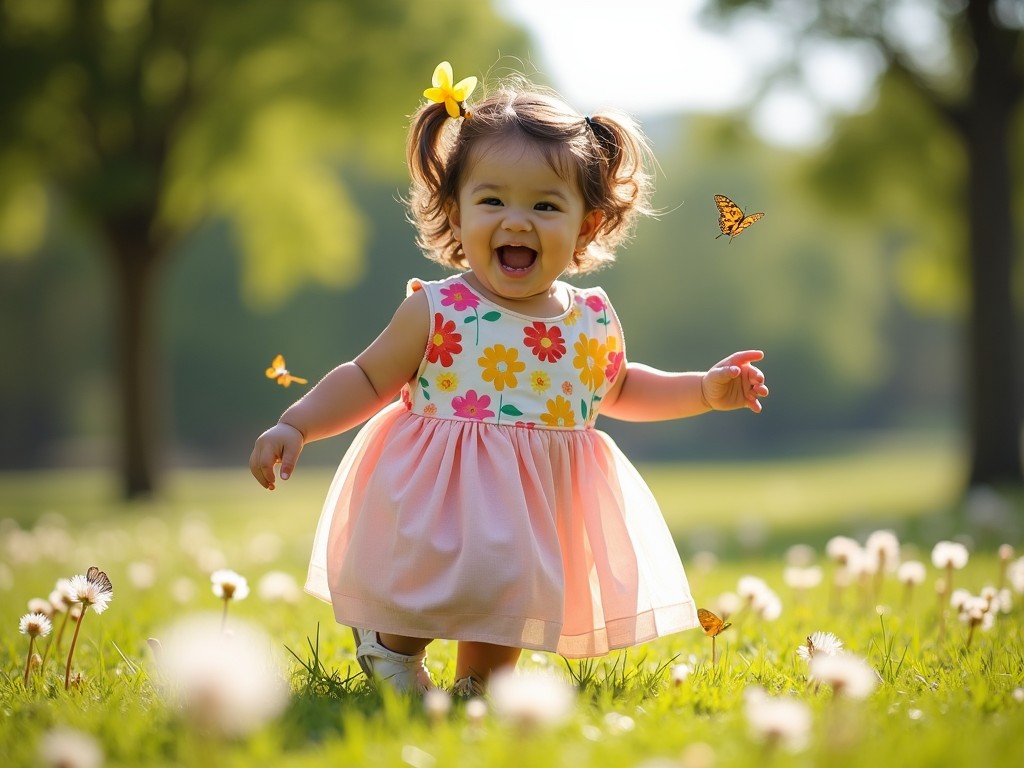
282,443
735,383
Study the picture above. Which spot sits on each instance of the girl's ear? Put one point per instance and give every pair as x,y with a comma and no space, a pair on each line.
455,221
588,229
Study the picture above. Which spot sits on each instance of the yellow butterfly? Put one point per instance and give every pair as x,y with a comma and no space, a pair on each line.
279,372
712,624
731,219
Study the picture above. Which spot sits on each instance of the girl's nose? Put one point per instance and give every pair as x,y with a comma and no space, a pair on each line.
515,221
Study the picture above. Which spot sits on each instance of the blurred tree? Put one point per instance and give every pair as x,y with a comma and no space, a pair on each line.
146,117
964,59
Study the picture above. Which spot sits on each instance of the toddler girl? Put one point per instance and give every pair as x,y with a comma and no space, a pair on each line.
483,505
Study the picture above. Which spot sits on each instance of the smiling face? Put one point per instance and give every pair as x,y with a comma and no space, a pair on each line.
519,222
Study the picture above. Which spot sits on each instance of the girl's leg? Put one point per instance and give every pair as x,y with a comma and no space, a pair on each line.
410,646
479,660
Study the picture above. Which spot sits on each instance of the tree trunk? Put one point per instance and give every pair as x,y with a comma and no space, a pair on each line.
135,262
994,358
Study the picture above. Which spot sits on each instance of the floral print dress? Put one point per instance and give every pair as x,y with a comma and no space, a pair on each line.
485,505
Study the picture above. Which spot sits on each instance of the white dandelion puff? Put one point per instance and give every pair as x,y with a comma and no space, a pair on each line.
820,643
849,676
949,555
779,722
531,699
229,585
68,748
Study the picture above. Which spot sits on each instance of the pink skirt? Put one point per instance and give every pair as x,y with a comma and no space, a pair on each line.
544,539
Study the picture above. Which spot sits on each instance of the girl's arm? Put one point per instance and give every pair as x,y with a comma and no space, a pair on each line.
643,393
349,394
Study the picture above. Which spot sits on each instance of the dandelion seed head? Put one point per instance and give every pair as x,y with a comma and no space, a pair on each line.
820,643
680,673
1015,574
64,590
949,554
35,625
141,574
1018,695
228,683
959,599
749,588
278,587
1005,552
68,748
802,577
850,676
883,547
437,703
40,605
800,556
767,605
779,721
94,593
841,548
531,699
911,572
476,710
229,585
728,604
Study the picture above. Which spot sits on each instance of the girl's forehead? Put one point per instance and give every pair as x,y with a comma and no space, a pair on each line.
519,153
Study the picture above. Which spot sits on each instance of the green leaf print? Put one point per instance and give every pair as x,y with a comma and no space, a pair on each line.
583,408
491,316
511,410
424,384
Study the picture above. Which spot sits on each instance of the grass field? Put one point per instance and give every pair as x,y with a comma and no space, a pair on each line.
941,694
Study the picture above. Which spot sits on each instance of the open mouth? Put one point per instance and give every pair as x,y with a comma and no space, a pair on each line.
516,258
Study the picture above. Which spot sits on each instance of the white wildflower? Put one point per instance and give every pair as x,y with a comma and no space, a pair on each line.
278,586
841,549
227,682
911,572
229,585
1015,574
882,550
93,590
67,748
40,605
35,625
777,721
849,675
801,577
531,699
800,555
949,554
680,673
820,643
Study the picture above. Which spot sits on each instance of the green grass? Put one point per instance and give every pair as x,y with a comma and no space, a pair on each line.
940,701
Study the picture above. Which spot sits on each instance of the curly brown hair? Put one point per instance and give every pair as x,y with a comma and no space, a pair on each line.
607,154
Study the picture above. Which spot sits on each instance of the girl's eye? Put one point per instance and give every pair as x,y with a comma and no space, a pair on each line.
544,207
490,201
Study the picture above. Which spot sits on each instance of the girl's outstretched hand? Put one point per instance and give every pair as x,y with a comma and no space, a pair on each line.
282,443
735,383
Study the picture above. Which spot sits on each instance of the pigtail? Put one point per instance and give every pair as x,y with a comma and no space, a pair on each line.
432,135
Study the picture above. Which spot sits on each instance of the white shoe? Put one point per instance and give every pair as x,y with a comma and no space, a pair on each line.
403,673
467,688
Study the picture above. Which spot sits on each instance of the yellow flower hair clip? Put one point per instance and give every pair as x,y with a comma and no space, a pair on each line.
443,92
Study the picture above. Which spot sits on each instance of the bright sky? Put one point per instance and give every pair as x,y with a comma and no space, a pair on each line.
652,56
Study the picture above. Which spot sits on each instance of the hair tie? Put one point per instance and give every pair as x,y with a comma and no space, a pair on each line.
452,96
588,121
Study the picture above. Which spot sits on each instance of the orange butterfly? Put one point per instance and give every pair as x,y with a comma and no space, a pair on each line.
279,372
731,219
712,624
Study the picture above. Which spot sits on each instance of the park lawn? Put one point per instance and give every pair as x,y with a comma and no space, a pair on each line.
938,701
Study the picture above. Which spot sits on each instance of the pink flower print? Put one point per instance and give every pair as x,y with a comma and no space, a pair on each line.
526,424
472,406
567,387
406,398
443,342
459,296
614,364
546,343
596,303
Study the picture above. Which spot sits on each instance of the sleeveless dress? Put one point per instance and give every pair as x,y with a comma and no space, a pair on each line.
484,505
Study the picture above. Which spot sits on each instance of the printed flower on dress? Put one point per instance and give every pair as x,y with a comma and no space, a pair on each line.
546,343
500,365
596,303
472,406
447,382
540,381
615,359
444,341
459,296
559,413
591,360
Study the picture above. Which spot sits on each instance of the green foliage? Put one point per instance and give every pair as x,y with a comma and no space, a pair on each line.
938,701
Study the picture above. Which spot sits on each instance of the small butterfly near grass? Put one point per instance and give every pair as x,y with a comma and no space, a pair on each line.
278,371
731,219
712,624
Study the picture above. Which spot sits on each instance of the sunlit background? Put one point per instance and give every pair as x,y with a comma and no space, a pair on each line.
187,191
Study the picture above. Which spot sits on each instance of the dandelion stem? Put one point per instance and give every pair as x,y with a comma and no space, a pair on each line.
74,642
224,616
28,659
714,659
55,641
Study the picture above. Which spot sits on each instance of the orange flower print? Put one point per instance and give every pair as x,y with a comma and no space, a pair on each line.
573,316
447,381
559,413
500,365
444,341
567,387
540,381
546,343
430,409
591,360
